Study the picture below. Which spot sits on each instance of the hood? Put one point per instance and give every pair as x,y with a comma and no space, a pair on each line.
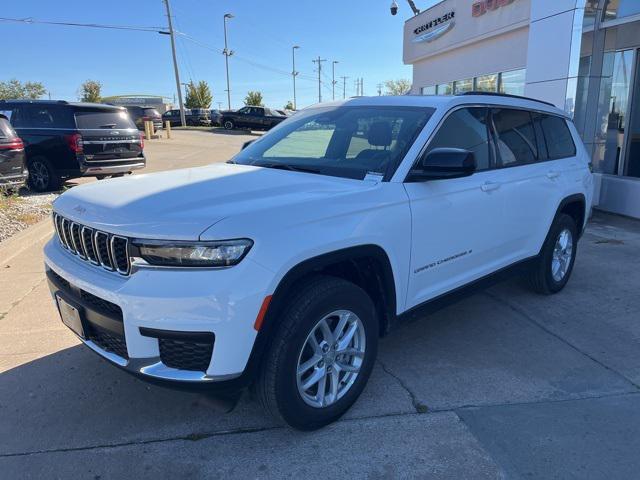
181,204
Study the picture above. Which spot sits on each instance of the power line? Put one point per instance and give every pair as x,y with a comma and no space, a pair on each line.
30,20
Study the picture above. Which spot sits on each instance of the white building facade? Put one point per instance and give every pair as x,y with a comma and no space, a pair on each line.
581,55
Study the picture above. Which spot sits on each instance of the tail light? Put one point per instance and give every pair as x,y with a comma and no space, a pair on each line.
141,141
74,142
146,119
14,144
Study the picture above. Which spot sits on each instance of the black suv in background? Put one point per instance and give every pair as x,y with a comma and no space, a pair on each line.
195,118
254,118
68,140
13,169
139,115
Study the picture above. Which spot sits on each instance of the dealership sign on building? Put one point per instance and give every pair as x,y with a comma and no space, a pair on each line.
429,31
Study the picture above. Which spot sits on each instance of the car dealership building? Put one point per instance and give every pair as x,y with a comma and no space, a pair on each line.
581,55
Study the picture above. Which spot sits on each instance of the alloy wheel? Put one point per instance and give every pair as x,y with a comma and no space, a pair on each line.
562,255
331,358
39,175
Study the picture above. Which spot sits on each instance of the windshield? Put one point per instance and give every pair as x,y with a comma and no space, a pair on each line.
344,141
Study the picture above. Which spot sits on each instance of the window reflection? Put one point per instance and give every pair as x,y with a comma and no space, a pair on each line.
620,8
512,82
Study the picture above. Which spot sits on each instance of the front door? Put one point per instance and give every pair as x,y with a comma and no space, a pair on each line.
457,224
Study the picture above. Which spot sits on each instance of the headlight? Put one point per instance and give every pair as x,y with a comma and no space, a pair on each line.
222,253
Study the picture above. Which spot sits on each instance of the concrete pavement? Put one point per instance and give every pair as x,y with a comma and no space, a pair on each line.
505,384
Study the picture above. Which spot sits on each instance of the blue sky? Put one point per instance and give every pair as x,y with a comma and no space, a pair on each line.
360,34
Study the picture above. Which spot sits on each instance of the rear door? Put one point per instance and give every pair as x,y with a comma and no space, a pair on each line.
108,134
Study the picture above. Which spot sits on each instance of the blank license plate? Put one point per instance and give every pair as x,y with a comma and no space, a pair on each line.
70,316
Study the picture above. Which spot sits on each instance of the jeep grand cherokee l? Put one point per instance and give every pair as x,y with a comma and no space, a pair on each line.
68,140
13,170
283,267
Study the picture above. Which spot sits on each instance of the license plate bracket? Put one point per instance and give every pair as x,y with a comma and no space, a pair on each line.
70,316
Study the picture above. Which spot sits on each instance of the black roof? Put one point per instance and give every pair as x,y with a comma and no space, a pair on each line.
61,102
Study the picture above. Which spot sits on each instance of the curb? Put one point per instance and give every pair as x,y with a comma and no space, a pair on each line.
25,239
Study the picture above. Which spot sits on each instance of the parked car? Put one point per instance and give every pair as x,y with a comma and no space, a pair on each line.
254,118
139,115
283,267
68,140
216,118
13,168
199,118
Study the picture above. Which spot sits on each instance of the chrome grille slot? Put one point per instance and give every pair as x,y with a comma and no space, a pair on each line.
119,254
76,242
87,242
102,249
99,248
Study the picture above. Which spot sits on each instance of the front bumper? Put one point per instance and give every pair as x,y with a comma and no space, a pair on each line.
223,303
13,181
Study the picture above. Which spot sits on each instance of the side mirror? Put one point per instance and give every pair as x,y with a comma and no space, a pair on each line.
246,144
442,163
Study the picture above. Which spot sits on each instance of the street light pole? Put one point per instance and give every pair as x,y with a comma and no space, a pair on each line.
227,54
294,74
344,87
333,78
175,63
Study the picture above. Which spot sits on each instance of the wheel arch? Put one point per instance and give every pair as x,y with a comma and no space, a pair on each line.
576,207
368,266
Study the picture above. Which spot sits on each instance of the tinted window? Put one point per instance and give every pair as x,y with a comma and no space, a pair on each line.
97,118
343,141
151,112
5,129
467,129
45,116
515,137
557,136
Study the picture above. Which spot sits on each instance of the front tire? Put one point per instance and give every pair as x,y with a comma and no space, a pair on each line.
551,270
321,355
228,124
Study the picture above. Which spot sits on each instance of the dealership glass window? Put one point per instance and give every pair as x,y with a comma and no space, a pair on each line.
613,101
632,167
429,90
620,8
487,83
445,89
579,105
462,86
512,82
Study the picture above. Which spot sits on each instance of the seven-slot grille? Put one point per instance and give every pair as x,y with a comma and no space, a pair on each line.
94,246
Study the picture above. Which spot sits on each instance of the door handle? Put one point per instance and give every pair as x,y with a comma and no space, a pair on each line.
553,174
489,186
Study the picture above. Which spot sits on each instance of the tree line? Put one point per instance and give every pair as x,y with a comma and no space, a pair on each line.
198,95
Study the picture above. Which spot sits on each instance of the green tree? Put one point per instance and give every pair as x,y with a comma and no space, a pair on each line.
398,87
14,89
90,91
254,99
289,105
199,95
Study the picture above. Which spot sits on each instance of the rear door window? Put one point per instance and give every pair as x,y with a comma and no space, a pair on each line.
558,137
515,137
97,118
5,129
45,116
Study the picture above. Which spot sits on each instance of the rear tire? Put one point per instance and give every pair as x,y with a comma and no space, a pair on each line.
551,270
228,124
303,349
42,176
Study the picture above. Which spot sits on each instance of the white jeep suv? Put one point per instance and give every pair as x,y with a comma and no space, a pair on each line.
281,269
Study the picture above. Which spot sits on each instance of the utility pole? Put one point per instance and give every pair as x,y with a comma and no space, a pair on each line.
344,87
186,90
319,62
175,63
379,89
294,74
219,106
227,53
361,87
333,78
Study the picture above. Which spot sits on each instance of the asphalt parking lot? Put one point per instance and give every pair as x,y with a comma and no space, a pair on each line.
505,384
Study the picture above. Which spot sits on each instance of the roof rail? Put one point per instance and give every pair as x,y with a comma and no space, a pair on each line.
508,95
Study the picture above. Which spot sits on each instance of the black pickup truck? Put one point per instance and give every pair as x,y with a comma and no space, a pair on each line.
254,118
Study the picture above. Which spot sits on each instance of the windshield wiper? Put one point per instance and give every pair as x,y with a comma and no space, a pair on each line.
286,166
